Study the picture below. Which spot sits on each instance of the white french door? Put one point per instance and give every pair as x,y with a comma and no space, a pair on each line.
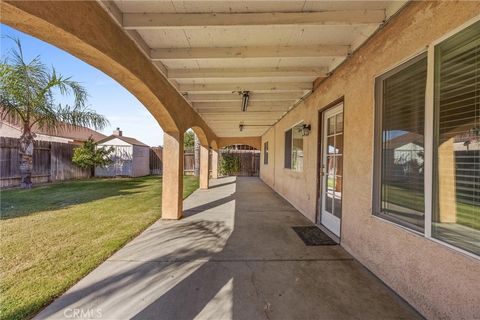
331,173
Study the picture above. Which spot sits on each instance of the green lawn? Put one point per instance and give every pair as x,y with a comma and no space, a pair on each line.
404,197
53,235
467,215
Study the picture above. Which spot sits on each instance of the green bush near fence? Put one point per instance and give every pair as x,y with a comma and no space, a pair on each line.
229,164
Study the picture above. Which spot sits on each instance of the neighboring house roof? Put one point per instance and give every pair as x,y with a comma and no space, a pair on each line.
75,133
404,139
128,140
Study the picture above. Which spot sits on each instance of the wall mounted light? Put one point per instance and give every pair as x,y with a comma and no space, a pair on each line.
306,129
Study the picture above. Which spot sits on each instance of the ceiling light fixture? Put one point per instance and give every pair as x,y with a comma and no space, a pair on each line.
245,97
242,126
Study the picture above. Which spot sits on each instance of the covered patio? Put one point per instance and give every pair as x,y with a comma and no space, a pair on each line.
233,256
306,83
227,70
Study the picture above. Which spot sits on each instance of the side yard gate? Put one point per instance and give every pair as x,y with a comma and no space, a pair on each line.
248,159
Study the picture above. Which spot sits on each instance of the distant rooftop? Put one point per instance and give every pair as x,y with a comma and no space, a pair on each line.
118,134
75,133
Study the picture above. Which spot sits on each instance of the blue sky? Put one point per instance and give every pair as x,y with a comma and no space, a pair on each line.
106,96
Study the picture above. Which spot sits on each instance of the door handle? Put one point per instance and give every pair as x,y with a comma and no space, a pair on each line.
322,170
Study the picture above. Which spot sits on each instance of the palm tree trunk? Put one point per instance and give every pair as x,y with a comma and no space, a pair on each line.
26,159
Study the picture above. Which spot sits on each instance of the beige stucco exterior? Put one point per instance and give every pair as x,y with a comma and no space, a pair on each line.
204,170
438,281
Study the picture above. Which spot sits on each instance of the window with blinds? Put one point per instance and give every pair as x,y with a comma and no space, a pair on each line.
297,148
294,148
265,153
456,217
400,99
288,149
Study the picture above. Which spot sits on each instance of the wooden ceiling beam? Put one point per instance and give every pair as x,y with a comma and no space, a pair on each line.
250,109
249,52
201,20
221,73
234,104
243,116
230,122
254,96
257,86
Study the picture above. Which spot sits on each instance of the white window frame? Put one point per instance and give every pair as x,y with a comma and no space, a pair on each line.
428,142
377,176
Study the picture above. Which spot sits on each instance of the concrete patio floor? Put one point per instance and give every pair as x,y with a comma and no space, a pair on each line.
233,256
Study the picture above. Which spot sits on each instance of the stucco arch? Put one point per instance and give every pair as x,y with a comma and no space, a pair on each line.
100,42
255,142
214,145
202,137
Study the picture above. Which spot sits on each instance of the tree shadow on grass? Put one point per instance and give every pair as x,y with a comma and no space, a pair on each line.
16,203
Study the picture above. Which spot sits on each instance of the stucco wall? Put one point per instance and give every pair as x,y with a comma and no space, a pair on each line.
438,281
266,171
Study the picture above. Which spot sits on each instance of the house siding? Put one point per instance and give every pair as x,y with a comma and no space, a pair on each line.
438,281
136,162
141,161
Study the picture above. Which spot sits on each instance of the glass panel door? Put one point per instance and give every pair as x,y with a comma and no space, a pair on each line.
332,169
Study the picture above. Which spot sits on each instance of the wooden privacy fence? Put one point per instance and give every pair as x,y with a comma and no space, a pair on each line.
249,159
156,161
52,161
189,163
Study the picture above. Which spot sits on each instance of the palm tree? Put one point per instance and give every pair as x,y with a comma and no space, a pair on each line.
27,96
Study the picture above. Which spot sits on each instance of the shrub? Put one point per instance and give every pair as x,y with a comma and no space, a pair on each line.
229,164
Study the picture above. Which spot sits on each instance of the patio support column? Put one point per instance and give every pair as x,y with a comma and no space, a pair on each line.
447,192
214,164
172,185
204,172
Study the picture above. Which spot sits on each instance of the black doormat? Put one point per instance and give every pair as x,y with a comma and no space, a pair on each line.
313,236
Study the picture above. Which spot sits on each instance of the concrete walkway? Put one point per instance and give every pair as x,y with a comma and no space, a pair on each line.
234,256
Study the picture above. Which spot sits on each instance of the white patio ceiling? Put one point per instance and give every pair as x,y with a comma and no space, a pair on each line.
211,50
